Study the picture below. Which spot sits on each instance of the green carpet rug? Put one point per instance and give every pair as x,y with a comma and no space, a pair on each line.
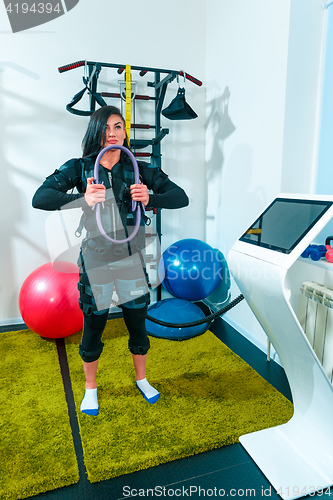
209,397
36,446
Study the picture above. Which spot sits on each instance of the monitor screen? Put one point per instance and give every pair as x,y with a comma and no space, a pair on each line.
284,223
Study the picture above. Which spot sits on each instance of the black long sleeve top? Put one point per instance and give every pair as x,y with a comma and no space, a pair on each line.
53,193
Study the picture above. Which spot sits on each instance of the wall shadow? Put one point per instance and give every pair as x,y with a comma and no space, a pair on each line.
222,127
12,202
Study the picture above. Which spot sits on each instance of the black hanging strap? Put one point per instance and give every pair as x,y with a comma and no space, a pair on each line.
94,95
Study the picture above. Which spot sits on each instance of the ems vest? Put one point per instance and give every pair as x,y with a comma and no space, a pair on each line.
116,215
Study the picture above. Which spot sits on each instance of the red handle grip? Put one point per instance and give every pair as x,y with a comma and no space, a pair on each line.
140,125
191,78
110,94
77,64
142,155
137,96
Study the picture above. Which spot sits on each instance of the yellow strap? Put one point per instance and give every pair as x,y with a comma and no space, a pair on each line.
254,231
128,101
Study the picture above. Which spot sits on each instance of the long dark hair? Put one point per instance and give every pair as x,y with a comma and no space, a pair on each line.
95,134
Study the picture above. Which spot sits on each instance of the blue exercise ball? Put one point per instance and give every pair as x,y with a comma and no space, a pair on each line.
175,311
190,269
221,294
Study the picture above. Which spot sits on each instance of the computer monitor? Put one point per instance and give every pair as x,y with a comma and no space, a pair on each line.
285,223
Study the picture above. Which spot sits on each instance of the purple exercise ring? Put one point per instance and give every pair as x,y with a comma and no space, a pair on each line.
135,205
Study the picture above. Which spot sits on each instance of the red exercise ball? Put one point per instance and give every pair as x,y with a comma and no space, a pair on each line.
48,300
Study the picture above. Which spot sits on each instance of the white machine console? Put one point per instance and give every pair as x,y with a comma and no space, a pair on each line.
297,457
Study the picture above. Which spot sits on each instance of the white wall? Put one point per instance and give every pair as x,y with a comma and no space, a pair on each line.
263,76
324,184
303,96
38,134
325,150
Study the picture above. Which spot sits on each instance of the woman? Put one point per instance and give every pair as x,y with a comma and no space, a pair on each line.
104,264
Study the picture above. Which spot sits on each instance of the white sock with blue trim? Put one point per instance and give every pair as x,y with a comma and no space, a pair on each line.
148,392
89,404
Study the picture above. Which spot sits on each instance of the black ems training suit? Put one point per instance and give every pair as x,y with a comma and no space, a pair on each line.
103,264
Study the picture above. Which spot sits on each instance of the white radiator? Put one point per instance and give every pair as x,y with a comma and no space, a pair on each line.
315,314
